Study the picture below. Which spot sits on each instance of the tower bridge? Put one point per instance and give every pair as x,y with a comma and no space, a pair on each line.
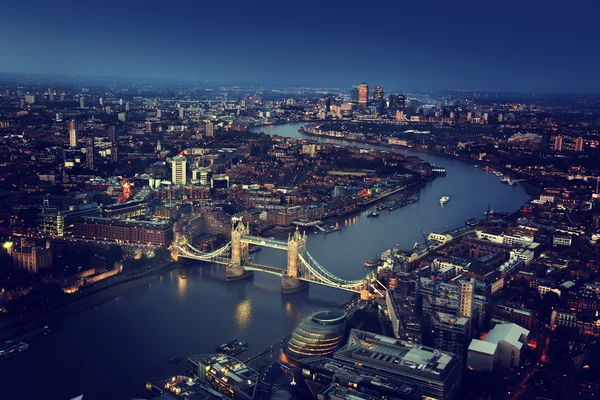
302,268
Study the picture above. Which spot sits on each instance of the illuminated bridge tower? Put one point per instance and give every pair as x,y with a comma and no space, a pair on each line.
239,252
291,282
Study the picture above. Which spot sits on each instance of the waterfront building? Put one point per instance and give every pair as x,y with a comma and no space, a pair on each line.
436,373
120,231
501,348
179,170
58,222
72,134
30,257
127,210
319,334
225,374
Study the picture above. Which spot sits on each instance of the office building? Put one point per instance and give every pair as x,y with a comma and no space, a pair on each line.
50,95
579,144
181,113
363,95
82,102
225,374
219,181
124,231
501,348
59,222
354,96
62,96
158,113
30,98
179,170
89,153
72,134
121,116
112,135
397,102
449,332
558,142
319,334
100,101
436,373
210,129
127,210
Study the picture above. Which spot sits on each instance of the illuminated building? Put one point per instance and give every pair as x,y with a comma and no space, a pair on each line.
558,142
179,170
579,144
58,222
137,232
210,129
72,134
225,374
219,181
501,347
30,257
122,116
363,94
388,367
378,98
319,334
89,153
127,210
397,102
354,98
82,102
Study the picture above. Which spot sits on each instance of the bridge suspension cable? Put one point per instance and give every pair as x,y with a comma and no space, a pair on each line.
327,277
199,254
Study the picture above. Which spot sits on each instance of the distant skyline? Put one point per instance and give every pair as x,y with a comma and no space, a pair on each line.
513,46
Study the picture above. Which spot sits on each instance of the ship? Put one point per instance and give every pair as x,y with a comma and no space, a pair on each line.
373,214
373,263
444,199
14,349
232,348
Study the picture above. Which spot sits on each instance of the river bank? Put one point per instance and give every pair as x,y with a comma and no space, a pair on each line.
84,302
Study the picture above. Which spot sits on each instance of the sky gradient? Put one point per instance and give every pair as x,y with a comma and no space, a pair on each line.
524,46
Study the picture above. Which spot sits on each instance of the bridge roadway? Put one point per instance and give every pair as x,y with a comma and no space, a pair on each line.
261,241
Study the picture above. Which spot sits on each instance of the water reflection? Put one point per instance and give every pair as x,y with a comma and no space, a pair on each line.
243,314
181,285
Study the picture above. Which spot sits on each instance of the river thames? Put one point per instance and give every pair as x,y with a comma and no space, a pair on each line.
111,350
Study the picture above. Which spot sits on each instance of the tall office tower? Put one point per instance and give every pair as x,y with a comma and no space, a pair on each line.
378,99
397,102
354,99
89,153
181,113
579,144
30,98
112,135
22,101
158,114
122,116
210,129
72,134
100,100
126,106
466,297
179,170
114,154
363,94
82,102
558,140
120,102
50,95
62,96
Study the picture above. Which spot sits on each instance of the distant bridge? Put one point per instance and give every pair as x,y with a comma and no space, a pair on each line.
301,266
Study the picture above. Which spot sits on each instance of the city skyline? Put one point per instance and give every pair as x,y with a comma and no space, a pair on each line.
512,48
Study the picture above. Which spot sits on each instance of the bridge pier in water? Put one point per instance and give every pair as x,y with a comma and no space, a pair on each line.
239,253
290,282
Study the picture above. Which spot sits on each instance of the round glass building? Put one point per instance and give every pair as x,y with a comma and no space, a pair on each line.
319,334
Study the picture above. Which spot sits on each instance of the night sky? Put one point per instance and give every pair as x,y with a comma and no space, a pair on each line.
526,45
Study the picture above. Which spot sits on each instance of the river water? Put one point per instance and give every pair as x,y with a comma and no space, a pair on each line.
109,351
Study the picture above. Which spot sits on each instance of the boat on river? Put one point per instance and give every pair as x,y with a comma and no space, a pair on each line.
232,348
373,214
444,199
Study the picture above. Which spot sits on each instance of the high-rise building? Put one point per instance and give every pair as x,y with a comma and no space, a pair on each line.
100,100
62,96
50,95
558,142
579,144
112,135
354,99
179,170
126,106
22,101
210,129
122,116
89,153
30,98
72,134
82,102
378,94
158,113
181,113
363,94
397,102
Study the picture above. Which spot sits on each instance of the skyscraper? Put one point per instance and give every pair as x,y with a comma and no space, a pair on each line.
72,134
181,113
558,140
378,98
179,170
89,153
354,99
210,129
579,144
50,95
363,94
82,102
112,135
397,102
62,96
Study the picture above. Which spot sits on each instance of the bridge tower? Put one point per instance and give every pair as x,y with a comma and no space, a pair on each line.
239,251
290,282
